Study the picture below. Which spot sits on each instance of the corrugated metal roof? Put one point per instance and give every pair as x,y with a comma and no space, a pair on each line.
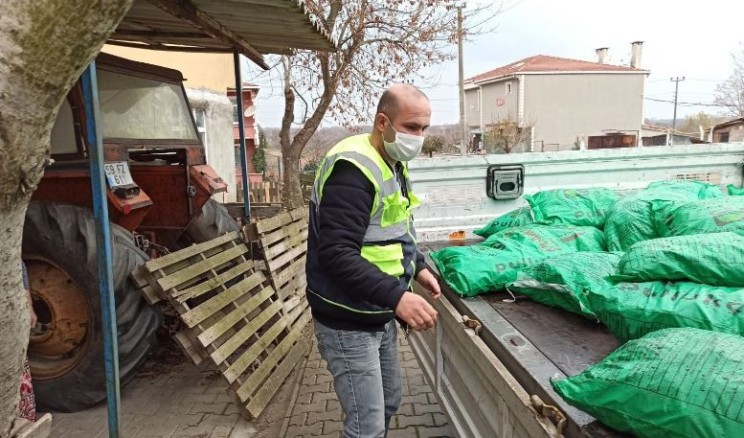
549,64
253,27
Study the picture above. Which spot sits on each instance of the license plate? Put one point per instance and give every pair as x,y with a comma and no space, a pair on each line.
117,174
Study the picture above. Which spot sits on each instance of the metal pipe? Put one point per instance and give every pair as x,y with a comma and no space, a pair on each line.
241,131
103,248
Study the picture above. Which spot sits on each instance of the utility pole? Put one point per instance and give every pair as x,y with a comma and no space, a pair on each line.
461,83
676,81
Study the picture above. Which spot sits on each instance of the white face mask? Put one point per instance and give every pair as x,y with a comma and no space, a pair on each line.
405,147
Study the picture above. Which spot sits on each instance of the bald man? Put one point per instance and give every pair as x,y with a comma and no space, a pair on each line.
362,260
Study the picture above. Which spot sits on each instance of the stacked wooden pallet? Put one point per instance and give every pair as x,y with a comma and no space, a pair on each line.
282,243
247,321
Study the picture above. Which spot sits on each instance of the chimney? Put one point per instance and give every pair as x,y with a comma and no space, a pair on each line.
602,55
636,48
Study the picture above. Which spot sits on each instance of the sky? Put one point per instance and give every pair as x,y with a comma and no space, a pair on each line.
689,39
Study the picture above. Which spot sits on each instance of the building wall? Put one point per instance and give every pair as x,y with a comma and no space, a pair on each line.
220,150
563,107
213,71
472,108
500,101
735,132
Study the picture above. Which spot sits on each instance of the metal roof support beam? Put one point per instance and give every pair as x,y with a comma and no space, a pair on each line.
103,249
241,135
186,11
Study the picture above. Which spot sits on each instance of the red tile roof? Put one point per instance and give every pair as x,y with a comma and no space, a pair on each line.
543,63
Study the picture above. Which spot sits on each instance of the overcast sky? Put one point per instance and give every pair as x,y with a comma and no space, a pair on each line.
690,39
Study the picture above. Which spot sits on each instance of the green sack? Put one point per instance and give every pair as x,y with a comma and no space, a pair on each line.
698,217
584,207
631,310
694,189
716,259
631,219
562,281
735,191
515,218
487,267
674,383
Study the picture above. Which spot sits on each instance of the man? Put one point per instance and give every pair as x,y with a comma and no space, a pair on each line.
362,259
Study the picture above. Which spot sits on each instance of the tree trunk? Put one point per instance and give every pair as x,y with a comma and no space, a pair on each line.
44,47
292,190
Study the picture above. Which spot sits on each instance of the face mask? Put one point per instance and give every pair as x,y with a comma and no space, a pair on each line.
405,147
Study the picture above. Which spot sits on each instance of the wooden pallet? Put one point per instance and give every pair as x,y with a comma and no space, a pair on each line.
282,241
234,315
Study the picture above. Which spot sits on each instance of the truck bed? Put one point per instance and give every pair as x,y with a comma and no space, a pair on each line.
536,343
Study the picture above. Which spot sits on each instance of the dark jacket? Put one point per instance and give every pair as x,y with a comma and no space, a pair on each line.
334,260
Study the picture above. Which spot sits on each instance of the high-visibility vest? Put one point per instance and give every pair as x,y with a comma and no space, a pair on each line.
390,240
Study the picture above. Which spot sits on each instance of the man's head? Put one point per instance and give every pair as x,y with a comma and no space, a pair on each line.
402,109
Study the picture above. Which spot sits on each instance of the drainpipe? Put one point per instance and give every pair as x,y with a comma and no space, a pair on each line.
103,248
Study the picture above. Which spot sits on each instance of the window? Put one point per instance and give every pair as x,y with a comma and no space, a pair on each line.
200,117
235,109
723,137
508,88
145,109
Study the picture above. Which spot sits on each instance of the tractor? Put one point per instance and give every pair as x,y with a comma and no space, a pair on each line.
159,199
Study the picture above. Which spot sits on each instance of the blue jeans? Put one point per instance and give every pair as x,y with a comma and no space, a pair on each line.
366,376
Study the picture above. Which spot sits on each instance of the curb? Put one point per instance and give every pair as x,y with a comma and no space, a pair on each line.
295,394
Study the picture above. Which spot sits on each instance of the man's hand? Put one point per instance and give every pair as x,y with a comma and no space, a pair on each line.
416,312
427,280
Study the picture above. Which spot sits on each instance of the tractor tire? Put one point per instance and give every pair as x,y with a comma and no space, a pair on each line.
66,355
211,222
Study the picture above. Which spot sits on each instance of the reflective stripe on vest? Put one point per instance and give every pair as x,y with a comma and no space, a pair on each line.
390,217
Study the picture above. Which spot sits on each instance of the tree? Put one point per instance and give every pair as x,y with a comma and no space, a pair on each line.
44,47
380,42
693,123
259,158
505,136
730,93
432,144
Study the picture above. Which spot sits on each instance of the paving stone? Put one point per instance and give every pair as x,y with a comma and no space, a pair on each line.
432,398
295,431
418,398
431,408
419,389
314,417
243,429
333,405
304,398
435,432
319,406
318,396
309,379
439,419
418,380
298,419
408,432
333,427
220,432
415,420
324,378
321,387
407,409
209,408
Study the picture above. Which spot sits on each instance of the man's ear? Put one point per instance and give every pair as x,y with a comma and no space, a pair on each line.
380,121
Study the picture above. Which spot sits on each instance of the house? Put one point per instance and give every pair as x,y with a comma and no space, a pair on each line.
559,101
729,132
250,130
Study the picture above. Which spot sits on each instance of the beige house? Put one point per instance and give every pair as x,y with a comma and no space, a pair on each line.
557,102
729,132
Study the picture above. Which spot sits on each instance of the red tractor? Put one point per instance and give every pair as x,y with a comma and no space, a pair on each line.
159,199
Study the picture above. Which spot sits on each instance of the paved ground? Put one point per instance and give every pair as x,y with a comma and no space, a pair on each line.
189,401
